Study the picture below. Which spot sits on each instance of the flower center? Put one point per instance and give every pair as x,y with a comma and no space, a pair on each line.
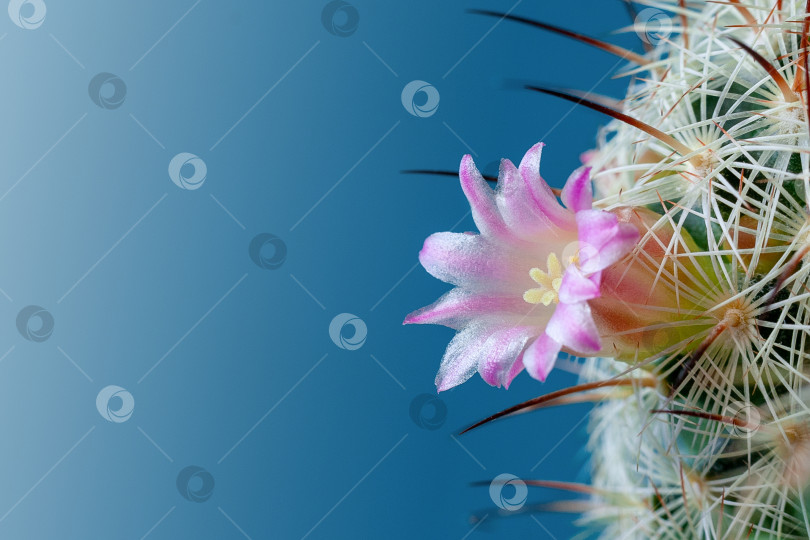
549,283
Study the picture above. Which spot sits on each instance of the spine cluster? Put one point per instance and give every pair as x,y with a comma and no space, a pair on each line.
712,437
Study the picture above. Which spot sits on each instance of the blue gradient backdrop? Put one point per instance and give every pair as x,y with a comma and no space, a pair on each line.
230,365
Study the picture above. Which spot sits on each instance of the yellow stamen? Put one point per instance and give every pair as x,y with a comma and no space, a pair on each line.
554,267
549,282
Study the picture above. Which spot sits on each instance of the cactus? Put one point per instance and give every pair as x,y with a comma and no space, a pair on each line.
699,326
724,444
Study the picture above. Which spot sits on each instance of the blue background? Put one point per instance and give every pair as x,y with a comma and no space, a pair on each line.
231,365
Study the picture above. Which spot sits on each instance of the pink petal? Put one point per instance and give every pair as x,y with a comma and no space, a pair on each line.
597,227
576,287
543,199
482,200
517,208
500,353
473,262
517,367
460,361
587,156
572,325
540,356
604,240
577,195
530,164
458,307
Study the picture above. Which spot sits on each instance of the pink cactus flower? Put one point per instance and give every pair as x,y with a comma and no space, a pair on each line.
522,285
